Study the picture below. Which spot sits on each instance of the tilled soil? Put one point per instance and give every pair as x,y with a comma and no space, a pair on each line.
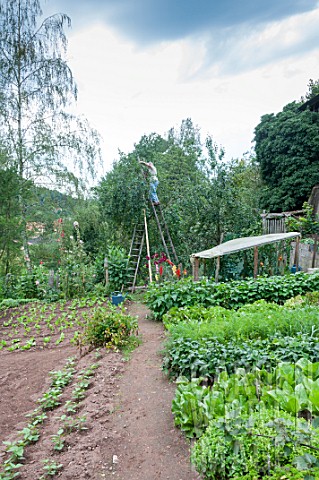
129,432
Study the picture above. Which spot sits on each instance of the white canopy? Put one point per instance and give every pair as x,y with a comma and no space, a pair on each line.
243,243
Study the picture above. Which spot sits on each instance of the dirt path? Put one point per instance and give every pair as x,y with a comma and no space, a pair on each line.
146,443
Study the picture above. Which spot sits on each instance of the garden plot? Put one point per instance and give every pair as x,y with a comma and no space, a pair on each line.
41,325
50,394
84,421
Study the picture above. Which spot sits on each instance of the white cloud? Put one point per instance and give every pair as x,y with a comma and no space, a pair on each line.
126,92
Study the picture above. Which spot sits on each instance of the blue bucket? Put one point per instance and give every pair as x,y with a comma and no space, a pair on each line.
117,298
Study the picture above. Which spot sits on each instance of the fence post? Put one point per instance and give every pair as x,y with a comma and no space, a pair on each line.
255,262
51,278
106,269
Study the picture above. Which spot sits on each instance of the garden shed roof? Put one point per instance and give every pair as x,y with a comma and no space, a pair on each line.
243,243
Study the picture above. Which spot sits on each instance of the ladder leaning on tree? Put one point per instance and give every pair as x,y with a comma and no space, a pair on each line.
138,240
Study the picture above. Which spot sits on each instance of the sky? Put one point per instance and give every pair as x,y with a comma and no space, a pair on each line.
143,66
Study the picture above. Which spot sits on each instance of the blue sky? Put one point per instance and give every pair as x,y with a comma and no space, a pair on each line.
143,66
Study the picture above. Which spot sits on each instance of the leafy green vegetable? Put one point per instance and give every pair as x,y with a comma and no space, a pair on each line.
266,444
161,298
293,388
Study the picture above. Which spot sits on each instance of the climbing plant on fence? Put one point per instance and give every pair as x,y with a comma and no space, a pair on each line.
278,289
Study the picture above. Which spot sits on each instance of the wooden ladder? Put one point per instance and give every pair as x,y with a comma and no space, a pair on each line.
164,233
137,245
135,254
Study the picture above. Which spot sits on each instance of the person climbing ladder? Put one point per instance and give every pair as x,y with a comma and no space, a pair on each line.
153,181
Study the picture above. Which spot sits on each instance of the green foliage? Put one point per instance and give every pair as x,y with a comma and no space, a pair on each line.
41,139
313,90
257,321
23,327
262,445
44,92
212,340
293,388
307,224
10,302
219,197
75,277
121,195
278,289
107,327
288,154
51,468
76,272
206,357
17,289
10,225
310,298
196,313
58,440
117,266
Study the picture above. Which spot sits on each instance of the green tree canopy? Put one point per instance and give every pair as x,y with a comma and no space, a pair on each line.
10,219
287,150
201,195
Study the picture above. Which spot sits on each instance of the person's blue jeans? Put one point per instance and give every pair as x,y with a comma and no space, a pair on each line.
153,194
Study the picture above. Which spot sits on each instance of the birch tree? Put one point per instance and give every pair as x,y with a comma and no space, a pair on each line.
46,143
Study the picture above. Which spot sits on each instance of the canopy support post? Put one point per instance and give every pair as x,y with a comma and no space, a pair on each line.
255,262
196,269
296,259
315,248
217,269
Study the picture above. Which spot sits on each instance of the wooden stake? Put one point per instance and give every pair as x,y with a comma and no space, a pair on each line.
296,259
255,262
106,269
217,269
315,248
218,259
148,249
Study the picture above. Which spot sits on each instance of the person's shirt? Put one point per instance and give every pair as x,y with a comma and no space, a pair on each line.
153,172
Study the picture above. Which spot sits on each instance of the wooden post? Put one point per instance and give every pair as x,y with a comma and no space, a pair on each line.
180,267
221,238
51,278
255,262
296,259
315,248
217,269
148,249
195,269
106,270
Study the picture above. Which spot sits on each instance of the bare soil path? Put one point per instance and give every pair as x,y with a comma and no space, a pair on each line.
130,433
147,444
